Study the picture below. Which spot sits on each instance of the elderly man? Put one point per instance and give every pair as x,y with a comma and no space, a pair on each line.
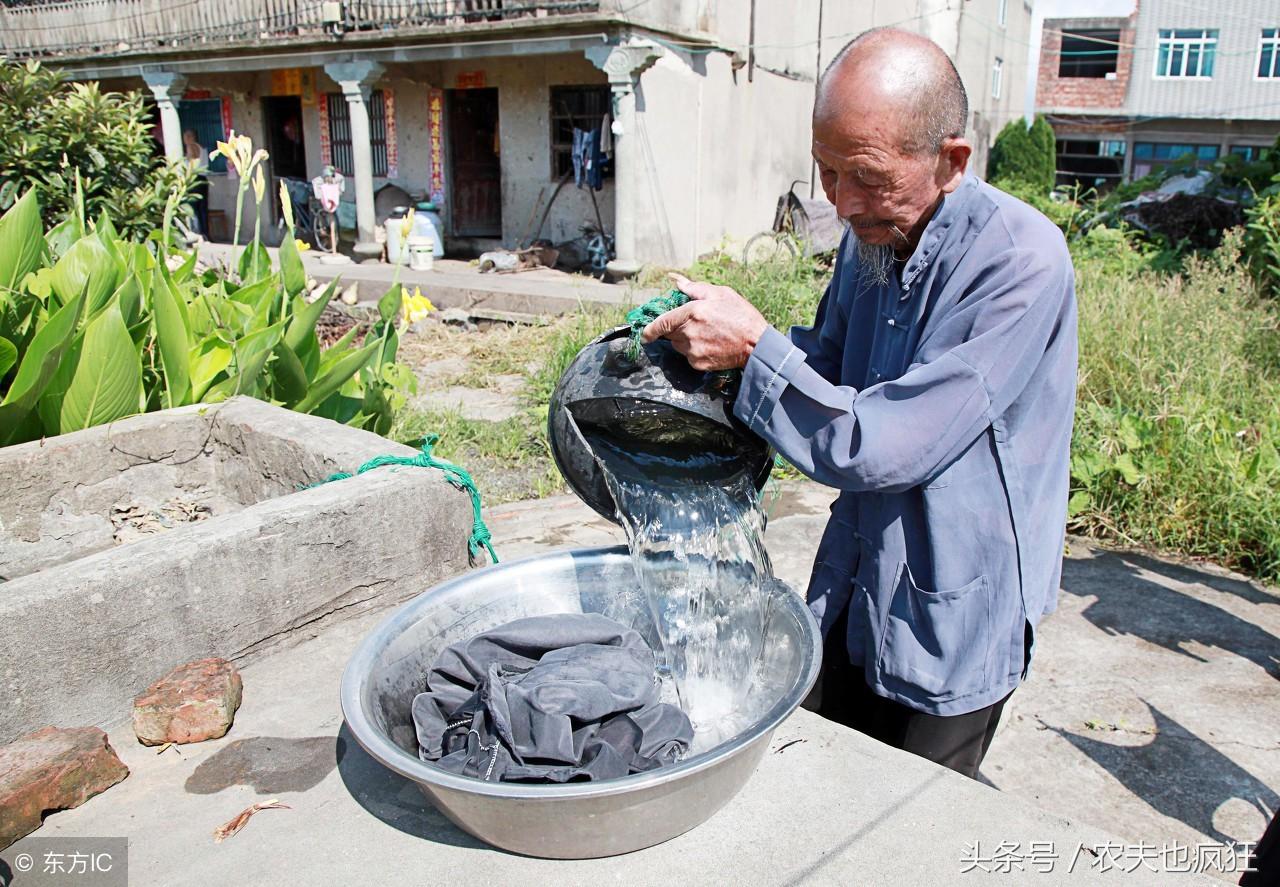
935,390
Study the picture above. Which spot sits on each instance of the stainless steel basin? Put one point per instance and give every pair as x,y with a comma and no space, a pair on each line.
579,820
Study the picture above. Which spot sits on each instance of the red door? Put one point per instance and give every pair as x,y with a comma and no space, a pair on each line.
475,182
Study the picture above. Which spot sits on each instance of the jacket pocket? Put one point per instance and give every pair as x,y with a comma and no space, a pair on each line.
938,641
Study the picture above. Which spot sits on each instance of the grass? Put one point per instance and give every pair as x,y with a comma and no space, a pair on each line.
1177,424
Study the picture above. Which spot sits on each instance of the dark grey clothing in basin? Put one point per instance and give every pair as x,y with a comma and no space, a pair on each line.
561,698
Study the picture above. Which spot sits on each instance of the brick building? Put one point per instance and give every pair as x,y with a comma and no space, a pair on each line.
1171,82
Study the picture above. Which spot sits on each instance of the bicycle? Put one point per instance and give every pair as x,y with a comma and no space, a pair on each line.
313,222
801,227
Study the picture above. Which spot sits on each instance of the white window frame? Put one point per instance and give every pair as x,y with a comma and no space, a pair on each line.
1002,12
1274,42
1204,42
997,78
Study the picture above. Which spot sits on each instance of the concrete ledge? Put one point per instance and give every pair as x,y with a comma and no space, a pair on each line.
826,806
82,637
456,285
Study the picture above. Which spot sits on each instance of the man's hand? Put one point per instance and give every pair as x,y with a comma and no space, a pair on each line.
716,330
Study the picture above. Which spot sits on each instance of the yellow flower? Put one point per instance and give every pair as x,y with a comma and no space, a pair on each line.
414,308
406,225
259,185
286,205
301,244
238,149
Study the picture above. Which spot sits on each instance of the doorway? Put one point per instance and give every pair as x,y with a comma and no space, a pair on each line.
282,124
475,189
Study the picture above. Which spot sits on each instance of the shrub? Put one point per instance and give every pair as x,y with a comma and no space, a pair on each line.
83,150
111,328
1024,155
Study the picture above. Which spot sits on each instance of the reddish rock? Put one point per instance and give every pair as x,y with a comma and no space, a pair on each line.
52,769
192,703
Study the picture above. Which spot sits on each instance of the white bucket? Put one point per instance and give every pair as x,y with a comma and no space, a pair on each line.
421,249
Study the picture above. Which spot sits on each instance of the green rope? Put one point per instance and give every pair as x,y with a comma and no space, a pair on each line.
640,317
454,474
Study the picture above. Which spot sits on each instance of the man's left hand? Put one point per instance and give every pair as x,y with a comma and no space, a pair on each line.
716,330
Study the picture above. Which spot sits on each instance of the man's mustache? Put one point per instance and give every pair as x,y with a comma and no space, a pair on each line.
852,223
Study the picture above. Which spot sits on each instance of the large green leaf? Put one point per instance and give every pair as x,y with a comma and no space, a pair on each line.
89,268
293,274
305,316
251,355
21,240
389,304
8,355
289,375
255,263
41,360
108,380
173,337
208,359
333,378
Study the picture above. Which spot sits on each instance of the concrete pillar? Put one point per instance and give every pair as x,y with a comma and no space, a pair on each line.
356,79
166,87
624,63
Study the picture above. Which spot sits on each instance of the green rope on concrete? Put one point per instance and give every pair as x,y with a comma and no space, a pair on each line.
454,474
640,317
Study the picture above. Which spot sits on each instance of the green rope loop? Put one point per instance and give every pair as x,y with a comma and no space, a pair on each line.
640,317
454,474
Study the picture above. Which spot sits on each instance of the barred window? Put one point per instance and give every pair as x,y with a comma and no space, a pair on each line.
583,107
340,132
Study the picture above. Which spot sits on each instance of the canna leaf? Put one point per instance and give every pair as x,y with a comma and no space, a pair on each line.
173,338
292,273
22,243
335,376
8,356
108,380
305,316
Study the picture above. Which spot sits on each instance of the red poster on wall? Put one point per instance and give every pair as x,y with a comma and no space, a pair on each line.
435,131
389,116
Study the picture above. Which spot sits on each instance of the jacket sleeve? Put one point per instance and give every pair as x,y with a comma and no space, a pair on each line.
897,434
823,342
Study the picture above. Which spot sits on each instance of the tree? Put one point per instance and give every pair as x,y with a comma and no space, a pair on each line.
1024,156
53,132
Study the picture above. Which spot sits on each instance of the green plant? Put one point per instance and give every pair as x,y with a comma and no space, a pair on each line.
111,328
1024,154
1262,236
84,150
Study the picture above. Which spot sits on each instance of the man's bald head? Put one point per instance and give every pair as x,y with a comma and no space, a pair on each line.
892,69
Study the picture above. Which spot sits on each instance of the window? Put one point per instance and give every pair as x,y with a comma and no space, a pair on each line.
1002,12
1089,53
340,132
1248,153
997,78
1089,163
580,107
1269,54
1150,156
205,117
1186,53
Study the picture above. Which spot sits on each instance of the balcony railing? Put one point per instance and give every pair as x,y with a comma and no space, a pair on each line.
35,28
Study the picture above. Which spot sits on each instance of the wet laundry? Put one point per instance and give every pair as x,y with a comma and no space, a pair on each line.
560,698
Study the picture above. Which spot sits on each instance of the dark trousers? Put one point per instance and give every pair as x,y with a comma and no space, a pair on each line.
958,741
201,204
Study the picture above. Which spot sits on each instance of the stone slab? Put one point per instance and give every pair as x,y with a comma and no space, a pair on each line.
290,561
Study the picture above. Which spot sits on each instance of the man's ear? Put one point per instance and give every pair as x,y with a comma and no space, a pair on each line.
953,161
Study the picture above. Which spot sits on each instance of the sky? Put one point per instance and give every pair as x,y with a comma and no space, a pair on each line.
1063,9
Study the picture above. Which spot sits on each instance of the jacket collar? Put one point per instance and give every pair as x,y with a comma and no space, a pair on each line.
953,215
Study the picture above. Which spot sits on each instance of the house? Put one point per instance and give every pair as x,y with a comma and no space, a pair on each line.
1174,81
702,107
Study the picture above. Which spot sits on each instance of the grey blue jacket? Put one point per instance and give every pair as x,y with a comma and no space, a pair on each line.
941,405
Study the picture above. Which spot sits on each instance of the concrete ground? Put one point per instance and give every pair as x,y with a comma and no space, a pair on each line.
1179,661
458,284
